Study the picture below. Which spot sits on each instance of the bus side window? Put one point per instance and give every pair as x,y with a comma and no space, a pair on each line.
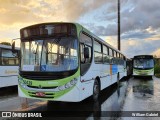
111,55
98,52
86,41
105,55
82,53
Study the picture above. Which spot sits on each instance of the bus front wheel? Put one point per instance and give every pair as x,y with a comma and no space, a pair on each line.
96,90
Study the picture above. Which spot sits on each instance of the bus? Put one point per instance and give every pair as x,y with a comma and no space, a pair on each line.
8,66
66,62
143,65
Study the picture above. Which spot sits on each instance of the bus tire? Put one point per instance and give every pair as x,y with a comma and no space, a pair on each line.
118,78
96,90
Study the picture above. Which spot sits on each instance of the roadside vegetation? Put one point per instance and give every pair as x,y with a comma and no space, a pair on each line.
157,67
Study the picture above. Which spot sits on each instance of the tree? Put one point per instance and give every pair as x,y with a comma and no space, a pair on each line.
5,43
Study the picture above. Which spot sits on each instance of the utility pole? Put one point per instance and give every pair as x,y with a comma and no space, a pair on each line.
119,27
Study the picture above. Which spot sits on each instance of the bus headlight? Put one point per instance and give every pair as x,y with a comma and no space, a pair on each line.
20,79
74,81
61,88
68,85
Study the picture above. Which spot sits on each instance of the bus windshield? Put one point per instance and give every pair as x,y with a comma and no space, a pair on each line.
143,63
49,55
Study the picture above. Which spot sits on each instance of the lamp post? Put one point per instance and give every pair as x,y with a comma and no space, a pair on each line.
119,29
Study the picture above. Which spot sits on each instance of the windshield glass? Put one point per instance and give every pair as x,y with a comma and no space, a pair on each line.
55,54
143,63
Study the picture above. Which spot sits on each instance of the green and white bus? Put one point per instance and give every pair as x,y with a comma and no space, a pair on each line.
143,65
66,62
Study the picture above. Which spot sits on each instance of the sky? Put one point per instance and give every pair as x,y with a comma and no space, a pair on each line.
140,20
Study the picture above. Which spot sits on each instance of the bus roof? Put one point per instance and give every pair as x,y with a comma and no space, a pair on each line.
143,56
82,28
8,47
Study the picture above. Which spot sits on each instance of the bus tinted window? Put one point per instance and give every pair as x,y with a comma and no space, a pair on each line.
86,40
105,50
110,52
105,54
97,52
7,58
97,47
115,54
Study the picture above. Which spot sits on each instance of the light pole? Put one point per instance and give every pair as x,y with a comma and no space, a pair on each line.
119,27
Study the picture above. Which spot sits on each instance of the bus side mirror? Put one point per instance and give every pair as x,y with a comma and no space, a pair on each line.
13,47
86,52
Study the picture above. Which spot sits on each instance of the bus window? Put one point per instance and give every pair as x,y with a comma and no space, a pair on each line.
110,52
105,54
118,58
86,41
97,52
115,54
7,58
111,55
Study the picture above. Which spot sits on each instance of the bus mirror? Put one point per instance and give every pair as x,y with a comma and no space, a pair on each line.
86,52
13,47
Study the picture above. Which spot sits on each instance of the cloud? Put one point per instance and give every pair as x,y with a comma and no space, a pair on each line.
16,14
133,47
156,52
30,11
6,40
144,15
14,11
112,40
135,15
137,34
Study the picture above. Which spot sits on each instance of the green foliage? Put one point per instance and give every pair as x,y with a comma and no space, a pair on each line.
157,70
5,43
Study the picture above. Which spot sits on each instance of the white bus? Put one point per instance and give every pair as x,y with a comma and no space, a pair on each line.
8,67
66,62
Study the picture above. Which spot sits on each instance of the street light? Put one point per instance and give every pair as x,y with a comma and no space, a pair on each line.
119,27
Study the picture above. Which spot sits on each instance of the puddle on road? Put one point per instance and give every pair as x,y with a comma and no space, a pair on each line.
142,95
143,89
8,92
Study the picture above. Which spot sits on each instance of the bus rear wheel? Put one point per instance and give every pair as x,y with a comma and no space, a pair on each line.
118,78
96,90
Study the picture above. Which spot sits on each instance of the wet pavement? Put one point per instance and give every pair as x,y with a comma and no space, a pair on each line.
130,95
143,94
